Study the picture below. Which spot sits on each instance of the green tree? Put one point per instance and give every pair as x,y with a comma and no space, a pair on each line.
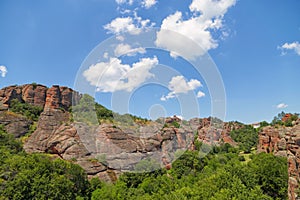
271,174
247,137
32,112
37,177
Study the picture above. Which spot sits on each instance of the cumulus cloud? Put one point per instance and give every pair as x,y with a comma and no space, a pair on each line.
3,70
114,76
178,85
207,16
148,3
295,46
126,49
281,105
132,25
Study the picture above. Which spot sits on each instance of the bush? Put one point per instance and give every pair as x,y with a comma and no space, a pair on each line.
246,137
32,112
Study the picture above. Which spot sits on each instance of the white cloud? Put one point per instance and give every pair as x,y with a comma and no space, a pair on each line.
130,2
132,25
207,16
178,85
148,3
114,76
126,49
105,55
291,46
200,94
3,70
281,105
120,38
211,8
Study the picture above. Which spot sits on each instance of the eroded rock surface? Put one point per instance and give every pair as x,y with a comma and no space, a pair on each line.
39,95
15,124
284,141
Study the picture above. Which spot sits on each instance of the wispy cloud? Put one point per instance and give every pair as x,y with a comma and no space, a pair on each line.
281,105
130,2
126,49
3,70
200,94
294,46
148,3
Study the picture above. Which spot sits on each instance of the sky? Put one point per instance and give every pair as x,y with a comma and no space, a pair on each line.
234,59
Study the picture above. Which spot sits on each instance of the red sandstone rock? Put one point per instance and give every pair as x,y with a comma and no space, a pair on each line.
284,141
55,97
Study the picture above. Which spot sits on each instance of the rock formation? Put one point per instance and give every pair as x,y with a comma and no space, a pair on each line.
39,95
284,141
106,150
14,123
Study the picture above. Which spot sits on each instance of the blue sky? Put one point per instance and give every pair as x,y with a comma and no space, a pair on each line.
254,44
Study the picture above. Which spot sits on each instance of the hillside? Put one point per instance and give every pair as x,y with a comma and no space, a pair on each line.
71,126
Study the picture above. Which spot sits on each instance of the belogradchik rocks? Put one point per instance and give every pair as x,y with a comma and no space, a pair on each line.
39,95
284,141
105,151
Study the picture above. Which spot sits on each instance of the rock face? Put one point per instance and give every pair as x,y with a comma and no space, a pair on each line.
14,123
284,141
55,135
106,150
55,98
213,131
39,95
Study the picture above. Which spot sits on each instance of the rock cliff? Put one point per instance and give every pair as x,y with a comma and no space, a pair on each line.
104,150
55,97
107,150
284,141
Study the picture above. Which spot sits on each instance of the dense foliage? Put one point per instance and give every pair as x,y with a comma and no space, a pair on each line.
37,176
246,137
30,111
216,176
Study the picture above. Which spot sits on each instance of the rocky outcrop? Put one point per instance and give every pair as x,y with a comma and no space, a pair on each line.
39,95
284,141
214,131
56,135
14,123
106,150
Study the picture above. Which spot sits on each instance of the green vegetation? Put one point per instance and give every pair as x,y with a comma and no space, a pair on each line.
37,176
246,137
172,124
278,119
92,113
220,173
217,176
32,112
